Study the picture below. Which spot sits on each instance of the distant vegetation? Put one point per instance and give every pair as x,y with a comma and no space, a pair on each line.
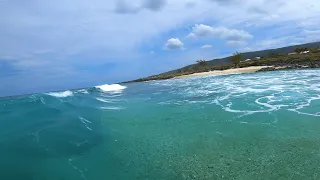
202,62
236,58
299,50
283,58
276,55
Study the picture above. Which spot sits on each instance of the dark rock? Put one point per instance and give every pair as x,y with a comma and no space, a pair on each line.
267,69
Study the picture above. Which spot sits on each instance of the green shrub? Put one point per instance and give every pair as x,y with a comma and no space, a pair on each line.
236,58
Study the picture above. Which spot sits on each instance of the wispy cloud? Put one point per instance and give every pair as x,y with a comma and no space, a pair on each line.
207,46
201,30
236,43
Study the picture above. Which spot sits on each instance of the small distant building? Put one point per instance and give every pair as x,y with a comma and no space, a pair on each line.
293,53
247,60
258,58
305,52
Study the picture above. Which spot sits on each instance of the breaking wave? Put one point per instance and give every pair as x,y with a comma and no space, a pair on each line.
60,94
111,87
84,91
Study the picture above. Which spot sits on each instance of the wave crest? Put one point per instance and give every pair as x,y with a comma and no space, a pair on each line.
60,94
111,87
84,91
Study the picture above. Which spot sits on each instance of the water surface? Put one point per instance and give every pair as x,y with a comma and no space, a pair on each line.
250,126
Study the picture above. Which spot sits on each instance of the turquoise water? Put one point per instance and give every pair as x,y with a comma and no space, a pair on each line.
251,126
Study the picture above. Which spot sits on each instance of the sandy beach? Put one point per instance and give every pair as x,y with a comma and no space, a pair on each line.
228,71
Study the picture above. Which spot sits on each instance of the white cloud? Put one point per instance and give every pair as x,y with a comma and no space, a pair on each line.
236,43
72,27
174,43
312,32
279,42
124,7
309,23
207,46
224,2
75,29
271,17
190,3
246,49
274,42
201,30
131,7
154,5
191,36
311,35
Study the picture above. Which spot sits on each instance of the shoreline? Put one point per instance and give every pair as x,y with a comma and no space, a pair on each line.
246,67
225,72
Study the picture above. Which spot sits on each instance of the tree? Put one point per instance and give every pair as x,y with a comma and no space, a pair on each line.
202,62
236,58
299,50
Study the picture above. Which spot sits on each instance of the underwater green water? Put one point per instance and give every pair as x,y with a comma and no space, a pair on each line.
250,126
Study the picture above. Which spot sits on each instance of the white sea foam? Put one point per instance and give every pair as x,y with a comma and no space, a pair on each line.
60,94
103,100
308,114
257,93
112,108
110,95
84,91
243,122
111,87
300,106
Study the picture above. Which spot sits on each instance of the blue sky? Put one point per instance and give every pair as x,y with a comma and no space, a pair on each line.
52,45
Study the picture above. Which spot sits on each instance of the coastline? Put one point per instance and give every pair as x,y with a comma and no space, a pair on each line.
226,72
273,62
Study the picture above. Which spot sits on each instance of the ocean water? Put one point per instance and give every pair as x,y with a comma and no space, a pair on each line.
250,126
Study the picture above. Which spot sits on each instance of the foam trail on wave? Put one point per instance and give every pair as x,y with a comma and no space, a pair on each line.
60,94
85,122
308,114
111,87
103,100
112,108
